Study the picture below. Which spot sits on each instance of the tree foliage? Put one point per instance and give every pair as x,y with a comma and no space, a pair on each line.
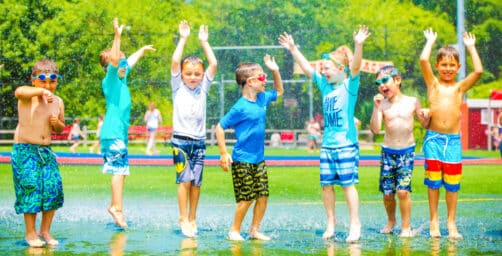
74,32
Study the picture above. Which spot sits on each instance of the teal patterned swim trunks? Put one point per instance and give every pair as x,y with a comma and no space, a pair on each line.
37,182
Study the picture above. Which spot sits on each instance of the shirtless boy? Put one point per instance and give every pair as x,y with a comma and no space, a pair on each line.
442,146
39,112
396,110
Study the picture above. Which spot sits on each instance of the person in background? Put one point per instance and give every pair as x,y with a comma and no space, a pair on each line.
152,118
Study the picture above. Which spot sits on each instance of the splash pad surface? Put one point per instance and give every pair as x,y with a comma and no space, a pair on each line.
295,217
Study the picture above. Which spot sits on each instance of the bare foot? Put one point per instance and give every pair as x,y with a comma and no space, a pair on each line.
330,231
406,232
453,232
34,241
434,230
354,234
193,226
49,239
118,217
387,229
186,228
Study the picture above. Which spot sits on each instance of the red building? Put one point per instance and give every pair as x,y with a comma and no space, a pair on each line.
482,114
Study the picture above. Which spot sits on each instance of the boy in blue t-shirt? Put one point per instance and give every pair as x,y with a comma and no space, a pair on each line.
247,117
340,150
113,134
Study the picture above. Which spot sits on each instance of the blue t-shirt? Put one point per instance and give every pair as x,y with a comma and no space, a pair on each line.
338,106
248,119
118,105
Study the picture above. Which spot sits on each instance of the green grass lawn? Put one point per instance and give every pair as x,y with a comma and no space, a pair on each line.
295,215
279,151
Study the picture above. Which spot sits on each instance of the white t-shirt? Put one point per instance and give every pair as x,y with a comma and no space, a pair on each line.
189,107
152,120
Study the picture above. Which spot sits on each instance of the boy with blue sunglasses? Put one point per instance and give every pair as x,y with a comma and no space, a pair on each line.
37,181
396,111
113,135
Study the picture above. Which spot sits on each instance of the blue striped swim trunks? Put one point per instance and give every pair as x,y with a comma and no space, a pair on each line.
339,166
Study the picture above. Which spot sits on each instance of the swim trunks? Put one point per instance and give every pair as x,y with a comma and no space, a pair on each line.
250,181
396,168
443,160
188,159
37,181
339,166
115,157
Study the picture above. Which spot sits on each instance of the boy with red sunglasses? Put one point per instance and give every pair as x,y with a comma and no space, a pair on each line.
37,181
396,111
247,117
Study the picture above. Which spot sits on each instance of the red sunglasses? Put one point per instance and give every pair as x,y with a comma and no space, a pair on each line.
261,77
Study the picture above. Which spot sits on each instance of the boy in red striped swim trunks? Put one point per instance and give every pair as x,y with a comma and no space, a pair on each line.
442,146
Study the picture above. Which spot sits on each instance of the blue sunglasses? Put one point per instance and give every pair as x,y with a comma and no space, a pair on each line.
381,81
43,77
123,63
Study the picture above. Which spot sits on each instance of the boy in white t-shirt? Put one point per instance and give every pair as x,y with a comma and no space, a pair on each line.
190,85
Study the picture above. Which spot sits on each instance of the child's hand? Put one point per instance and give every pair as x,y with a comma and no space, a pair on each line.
53,120
270,63
184,29
47,96
118,29
377,100
430,35
361,35
148,48
469,39
286,40
203,33
424,113
225,162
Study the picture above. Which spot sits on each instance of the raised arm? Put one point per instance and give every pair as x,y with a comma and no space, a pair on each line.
184,30
115,52
134,58
225,158
376,115
359,38
287,41
425,57
272,66
211,58
25,93
473,77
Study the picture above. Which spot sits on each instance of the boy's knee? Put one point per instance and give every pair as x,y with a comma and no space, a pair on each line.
403,194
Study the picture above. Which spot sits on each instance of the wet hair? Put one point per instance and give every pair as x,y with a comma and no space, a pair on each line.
192,59
447,51
104,57
389,70
46,66
244,71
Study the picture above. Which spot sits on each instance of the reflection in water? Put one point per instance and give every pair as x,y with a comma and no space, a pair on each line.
353,248
188,247
254,248
32,251
405,247
118,243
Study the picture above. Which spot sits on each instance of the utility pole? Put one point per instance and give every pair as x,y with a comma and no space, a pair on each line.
460,38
